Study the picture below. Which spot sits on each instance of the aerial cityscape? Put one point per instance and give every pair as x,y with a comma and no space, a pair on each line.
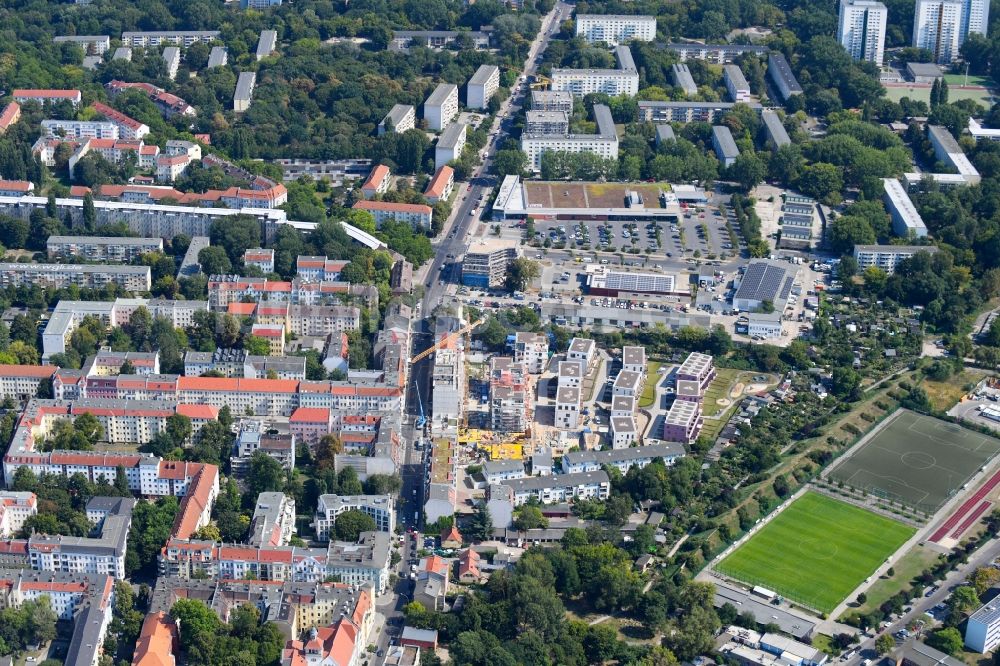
500,333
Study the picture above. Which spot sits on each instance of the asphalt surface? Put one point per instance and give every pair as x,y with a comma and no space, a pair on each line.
452,244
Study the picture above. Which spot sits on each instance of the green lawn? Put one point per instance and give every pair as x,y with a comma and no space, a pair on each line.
724,380
973,80
896,93
816,551
653,378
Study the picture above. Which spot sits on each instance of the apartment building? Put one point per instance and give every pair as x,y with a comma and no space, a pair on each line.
447,388
400,118
416,215
128,278
441,108
949,153
683,422
91,44
628,384
217,57
551,100
576,462
736,84
273,522
244,91
558,488
774,129
724,146
169,104
183,38
485,262
319,269
546,122
937,27
377,183
861,29
441,185
107,362
887,257
622,431
510,395
583,351
380,508
450,144
693,377
781,75
117,249
604,143
47,96
259,257
266,44
531,350
171,60
10,114
402,40
21,382
685,112
128,128
79,129
906,220
15,508
323,319
273,439
715,53
615,29
482,86
681,74
102,554
613,82
982,632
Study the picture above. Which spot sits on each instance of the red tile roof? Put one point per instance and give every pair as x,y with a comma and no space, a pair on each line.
158,641
198,411
15,185
9,115
39,371
375,178
116,116
310,415
241,309
440,180
46,93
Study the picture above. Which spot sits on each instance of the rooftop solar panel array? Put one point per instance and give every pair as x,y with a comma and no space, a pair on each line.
644,283
764,281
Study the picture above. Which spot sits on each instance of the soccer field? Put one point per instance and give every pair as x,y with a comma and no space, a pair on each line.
816,551
916,459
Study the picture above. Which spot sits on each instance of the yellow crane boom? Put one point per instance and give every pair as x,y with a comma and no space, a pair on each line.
446,340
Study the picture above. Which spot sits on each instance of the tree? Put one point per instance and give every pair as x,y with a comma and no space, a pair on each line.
748,170
885,644
214,261
266,474
89,212
985,578
948,640
822,181
530,517
255,345
350,524
963,600
328,447
510,162
480,525
383,484
178,428
348,482
520,273
235,234
850,230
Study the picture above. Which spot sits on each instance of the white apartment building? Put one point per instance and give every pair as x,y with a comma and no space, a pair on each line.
15,508
634,360
447,388
575,462
244,91
937,27
546,122
982,633
531,349
87,276
583,351
381,508
628,384
183,38
273,522
47,96
887,257
91,44
622,431
613,82
441,107
567,407
557,488
102,248
450,144
80,129
736,84
615,29
975,17
550,100
417,215
485,262
604,143
861,29
482,86
172,59
905,217
400,118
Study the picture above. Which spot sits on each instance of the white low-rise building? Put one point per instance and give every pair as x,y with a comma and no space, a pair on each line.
560,487
381,508
615,29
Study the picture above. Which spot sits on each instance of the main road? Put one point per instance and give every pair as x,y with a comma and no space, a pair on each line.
465,219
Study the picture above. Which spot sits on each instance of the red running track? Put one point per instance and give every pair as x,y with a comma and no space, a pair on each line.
967,506
972,517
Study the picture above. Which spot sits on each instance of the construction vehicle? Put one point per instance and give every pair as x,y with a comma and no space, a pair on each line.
446,340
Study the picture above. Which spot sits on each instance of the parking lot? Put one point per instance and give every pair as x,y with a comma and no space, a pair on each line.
694,233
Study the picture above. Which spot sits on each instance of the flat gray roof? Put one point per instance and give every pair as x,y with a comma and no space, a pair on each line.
450,136
266,43
217,57
557,480
723,140
624,56
605,123
665,132
735,76
775,128
244,85
398,112
441,93
666,450
763,612
778,68
483,74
